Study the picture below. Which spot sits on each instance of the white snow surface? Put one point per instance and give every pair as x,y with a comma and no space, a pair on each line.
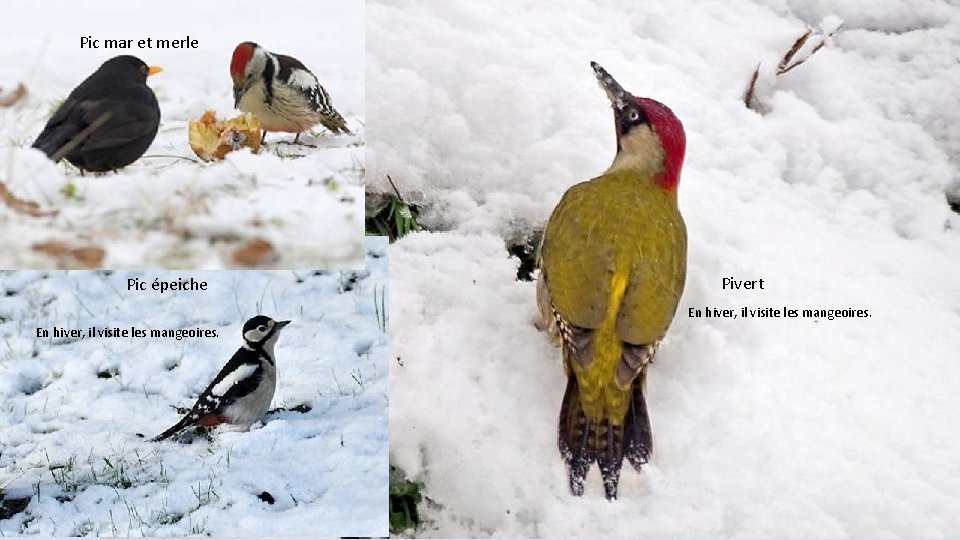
73,408
774,427
169,209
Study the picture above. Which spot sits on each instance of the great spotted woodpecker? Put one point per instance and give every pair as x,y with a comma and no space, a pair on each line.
281,92
241,393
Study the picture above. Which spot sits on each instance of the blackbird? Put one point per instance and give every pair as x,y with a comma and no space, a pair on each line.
108,121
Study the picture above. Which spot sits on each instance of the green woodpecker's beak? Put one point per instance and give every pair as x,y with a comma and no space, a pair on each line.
615,92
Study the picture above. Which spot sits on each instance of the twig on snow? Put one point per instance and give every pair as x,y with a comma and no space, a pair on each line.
790,60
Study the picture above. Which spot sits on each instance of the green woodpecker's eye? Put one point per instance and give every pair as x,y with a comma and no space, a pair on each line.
633,115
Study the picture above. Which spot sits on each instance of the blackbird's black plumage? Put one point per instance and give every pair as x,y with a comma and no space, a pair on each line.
119,112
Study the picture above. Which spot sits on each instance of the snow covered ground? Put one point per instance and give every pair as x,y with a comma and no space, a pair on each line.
835,197
73,409
169,209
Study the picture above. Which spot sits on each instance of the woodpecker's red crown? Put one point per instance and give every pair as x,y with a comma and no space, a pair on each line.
667,126
630,112
241,57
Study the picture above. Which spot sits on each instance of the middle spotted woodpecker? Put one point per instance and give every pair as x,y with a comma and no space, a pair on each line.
282,93
241,393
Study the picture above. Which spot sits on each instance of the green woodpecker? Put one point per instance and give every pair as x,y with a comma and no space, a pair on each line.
612,266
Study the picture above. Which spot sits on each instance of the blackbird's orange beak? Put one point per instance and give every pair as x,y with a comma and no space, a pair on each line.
153,70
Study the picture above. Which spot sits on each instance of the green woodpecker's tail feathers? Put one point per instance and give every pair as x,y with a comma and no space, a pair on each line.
582,442
575,442
638,439
610,456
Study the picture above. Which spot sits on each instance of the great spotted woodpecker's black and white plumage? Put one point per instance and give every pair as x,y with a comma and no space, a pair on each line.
281,92
241,393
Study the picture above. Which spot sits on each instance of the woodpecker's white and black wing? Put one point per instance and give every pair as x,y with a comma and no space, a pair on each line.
240,377
294,73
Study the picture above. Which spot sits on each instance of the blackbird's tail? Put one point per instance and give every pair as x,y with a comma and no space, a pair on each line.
53,138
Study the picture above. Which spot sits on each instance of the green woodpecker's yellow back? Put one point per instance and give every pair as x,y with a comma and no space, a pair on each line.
612,266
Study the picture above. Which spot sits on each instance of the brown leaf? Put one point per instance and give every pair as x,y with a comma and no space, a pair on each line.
255,252
23,206
19,93
71,257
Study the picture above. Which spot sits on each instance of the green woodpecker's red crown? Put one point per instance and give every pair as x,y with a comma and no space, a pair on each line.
631,111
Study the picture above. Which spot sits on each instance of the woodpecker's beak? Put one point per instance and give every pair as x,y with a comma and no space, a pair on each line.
237,92
281,324
153,70
615,92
